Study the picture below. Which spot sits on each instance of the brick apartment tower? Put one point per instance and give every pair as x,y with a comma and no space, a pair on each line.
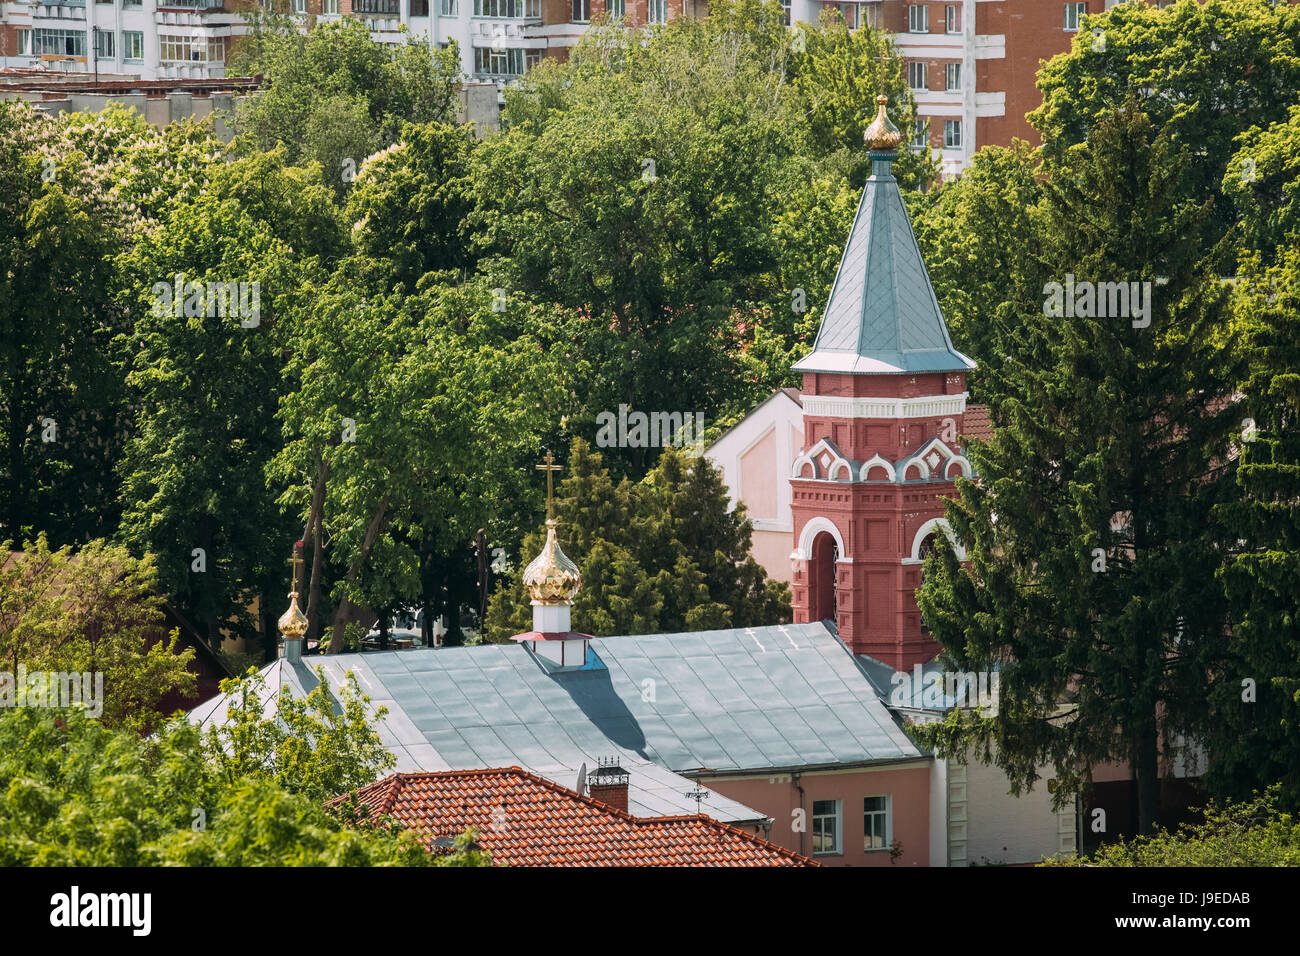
884,400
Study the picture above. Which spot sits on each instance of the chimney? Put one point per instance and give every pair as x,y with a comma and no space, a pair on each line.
608,784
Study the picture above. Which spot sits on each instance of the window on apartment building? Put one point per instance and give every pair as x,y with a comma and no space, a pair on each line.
104,44
419,8
875,823
952,18
581,11
616,8
1073,14
952,76
24,43
952,134
785,8
869,15
217,49
826,826
132,45
657,11
329,6
918,75
921,133
59,42
389,7
132,3
173,48
299,6
509,62
511,9
918,18
447,8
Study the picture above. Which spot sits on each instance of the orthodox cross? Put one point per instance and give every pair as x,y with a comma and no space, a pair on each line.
296,562
550,468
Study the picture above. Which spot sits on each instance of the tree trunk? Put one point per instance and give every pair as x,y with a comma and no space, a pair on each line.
1148,778
344,612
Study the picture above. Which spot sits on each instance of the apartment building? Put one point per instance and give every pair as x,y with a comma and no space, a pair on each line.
971,64
127,38
499,40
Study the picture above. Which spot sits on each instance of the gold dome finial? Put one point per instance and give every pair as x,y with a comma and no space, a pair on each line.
293,623
882,135
551,578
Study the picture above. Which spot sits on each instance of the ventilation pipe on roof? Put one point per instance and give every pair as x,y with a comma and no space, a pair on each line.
794,779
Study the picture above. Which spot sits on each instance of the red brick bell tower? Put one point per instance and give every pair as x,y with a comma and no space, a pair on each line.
884,399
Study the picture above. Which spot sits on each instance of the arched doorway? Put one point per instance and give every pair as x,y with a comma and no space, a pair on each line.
822,584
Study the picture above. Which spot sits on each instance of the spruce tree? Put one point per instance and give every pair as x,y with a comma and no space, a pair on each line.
662,555
1253,728
1089,532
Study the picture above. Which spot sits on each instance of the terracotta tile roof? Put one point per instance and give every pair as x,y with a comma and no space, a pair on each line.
977,423
525,820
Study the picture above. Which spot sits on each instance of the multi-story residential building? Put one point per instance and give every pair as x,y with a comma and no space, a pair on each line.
182,39
972,64
499,40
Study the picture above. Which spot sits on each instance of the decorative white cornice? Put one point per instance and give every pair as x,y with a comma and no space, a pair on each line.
925,406
878,462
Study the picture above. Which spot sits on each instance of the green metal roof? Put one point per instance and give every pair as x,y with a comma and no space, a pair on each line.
882,316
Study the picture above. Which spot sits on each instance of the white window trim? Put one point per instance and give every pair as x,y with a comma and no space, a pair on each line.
839,828
889,822
924,73
1081,10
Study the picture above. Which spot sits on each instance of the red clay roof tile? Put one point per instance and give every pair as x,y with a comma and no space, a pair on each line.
525,820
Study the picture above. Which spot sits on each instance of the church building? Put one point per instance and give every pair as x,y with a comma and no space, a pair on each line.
781,731
882,416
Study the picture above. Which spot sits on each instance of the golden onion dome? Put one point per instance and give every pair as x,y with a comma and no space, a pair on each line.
293,623
552,578
882,135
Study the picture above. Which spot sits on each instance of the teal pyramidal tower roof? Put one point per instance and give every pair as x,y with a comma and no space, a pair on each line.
882,316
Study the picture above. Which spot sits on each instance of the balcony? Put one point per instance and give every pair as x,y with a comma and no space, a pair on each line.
61,11
377,8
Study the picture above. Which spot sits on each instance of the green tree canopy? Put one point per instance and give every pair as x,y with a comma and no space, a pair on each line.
664,554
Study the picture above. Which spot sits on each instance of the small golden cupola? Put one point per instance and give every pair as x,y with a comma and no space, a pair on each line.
552,581
293,623
882,136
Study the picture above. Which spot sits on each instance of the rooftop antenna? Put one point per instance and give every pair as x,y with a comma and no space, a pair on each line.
699,795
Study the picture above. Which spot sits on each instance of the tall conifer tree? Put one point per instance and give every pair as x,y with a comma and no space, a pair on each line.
1092,550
